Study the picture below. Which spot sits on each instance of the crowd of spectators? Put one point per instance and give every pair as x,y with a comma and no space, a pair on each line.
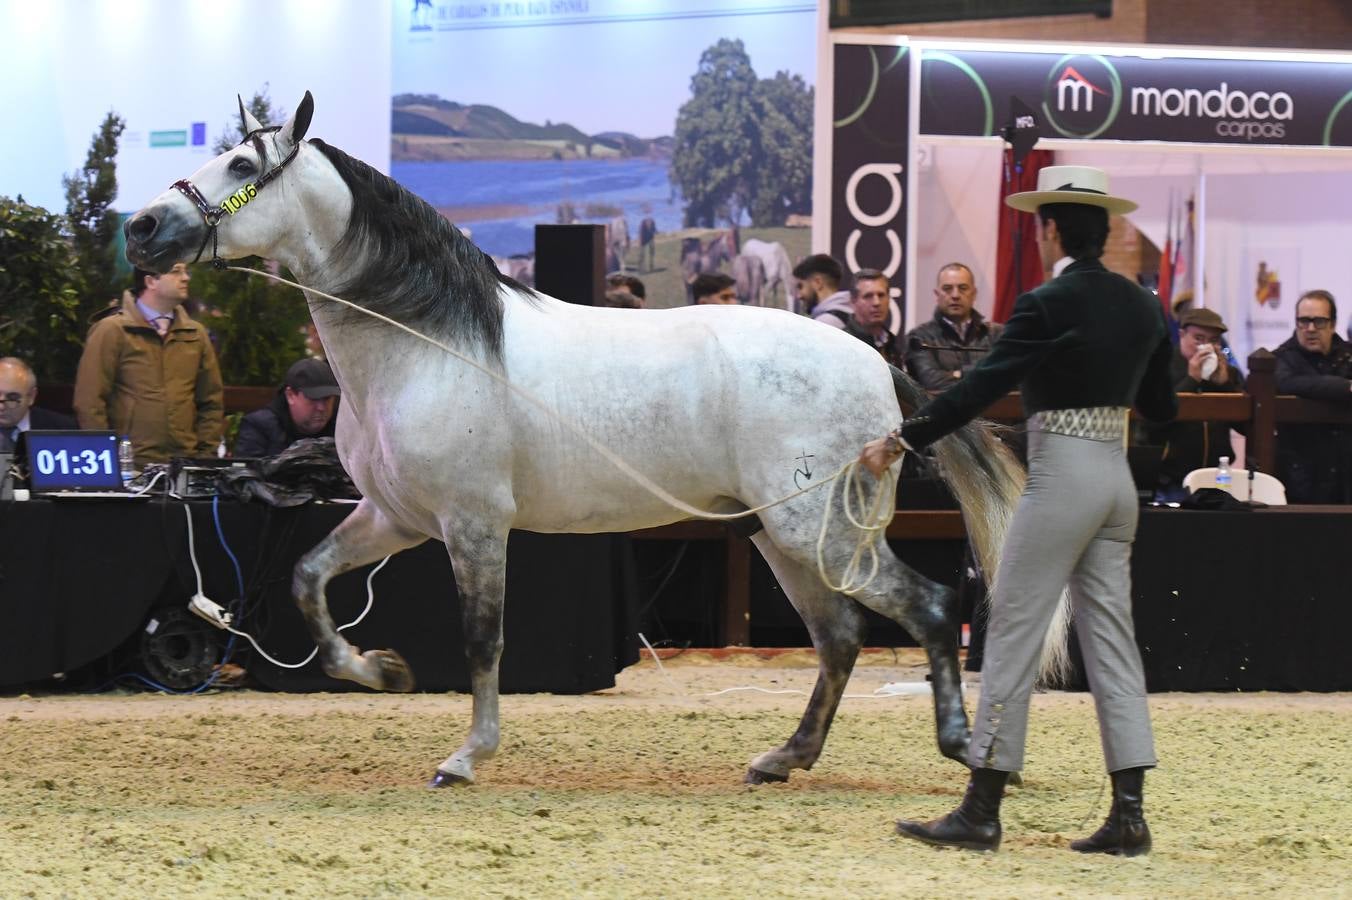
149,372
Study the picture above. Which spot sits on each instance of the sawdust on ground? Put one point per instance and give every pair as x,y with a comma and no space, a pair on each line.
636,791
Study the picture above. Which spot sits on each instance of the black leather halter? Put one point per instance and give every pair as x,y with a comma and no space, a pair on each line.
211,215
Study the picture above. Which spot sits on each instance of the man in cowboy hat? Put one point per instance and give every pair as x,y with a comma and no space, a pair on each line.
1084,348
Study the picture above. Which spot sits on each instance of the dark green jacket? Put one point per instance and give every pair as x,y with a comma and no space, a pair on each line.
1087,338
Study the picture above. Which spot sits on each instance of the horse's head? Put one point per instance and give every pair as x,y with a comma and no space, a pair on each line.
224,203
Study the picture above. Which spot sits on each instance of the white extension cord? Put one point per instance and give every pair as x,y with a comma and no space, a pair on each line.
213,612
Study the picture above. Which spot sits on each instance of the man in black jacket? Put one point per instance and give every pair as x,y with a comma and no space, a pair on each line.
306,405
1084,348
1198,366
939,352
1315,461
18,392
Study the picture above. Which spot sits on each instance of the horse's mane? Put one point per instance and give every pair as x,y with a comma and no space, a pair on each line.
411,264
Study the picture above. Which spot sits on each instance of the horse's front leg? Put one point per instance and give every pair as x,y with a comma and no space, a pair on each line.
479,557
363,537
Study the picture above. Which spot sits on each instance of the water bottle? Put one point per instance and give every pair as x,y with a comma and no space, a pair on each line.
126,460
1224,479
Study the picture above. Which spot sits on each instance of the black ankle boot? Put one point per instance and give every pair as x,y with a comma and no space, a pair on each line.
1124,832
974,825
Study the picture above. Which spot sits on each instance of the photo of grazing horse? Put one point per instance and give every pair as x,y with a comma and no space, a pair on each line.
698,257
778,272
442,430
749,273
647,237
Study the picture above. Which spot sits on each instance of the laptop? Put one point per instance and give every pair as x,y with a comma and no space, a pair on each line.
74,465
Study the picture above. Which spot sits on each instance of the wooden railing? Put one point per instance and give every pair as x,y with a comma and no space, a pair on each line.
60,397
1260,408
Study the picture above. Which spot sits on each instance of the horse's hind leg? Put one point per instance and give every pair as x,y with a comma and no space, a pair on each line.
930,613
837,628
363,537
479,557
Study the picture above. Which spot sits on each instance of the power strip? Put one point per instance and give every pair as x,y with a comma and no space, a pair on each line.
210,610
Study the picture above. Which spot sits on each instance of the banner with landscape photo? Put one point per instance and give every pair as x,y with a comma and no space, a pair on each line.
683,127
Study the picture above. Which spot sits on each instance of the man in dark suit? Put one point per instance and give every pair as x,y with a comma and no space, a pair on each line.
1084,348
18,391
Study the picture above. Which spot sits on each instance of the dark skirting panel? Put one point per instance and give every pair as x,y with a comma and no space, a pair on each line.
79,578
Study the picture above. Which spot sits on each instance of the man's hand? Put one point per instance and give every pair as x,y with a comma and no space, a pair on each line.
878,455
1222,373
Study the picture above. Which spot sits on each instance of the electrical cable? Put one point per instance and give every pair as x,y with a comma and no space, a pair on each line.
370,601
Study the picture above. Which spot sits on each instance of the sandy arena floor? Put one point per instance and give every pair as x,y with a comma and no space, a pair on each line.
636,792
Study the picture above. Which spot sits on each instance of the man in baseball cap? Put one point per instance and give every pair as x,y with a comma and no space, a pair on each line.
306,405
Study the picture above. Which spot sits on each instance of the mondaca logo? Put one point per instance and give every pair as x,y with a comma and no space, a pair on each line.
1082,95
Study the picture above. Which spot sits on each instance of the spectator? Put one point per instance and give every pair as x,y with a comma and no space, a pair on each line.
819,290
868,322
1198,366
619,298
938,353
714,287
1315,460
624,282
148,371
306,405
18,391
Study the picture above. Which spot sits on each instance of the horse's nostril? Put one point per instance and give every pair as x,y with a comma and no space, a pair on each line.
141,228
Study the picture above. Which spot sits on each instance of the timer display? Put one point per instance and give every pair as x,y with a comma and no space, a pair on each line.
72,460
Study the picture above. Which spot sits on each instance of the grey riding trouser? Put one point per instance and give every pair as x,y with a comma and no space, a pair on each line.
1074,526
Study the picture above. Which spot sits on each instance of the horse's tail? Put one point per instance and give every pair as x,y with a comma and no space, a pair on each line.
987,479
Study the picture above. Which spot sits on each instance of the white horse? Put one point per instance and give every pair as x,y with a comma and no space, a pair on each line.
778,269
721,405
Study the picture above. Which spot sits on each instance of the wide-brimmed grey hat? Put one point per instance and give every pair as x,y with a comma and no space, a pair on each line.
1070,184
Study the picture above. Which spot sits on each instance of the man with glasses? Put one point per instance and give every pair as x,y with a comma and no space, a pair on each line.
18,391
1315,460
1199,366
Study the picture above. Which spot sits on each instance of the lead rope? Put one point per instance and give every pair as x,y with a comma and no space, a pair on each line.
870,527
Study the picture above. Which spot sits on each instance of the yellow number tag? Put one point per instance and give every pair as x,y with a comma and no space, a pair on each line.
235,202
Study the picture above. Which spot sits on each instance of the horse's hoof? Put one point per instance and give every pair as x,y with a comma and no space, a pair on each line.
758,776
395,674
446,779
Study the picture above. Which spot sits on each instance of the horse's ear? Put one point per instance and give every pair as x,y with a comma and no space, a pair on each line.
246,119
299,123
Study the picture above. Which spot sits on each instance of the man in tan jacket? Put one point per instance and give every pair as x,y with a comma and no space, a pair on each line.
149,372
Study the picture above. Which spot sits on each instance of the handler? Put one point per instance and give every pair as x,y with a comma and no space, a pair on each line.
1083,348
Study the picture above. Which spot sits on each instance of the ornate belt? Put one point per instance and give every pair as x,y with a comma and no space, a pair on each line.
1095,423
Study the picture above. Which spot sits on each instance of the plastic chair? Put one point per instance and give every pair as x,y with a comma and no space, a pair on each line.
1266,488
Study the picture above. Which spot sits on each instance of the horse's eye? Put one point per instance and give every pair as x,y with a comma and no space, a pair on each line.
241,166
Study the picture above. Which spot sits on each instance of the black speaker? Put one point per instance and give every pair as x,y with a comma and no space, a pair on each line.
570,262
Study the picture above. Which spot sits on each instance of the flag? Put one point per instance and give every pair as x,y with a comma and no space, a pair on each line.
1017,270
1185,257
1166,279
